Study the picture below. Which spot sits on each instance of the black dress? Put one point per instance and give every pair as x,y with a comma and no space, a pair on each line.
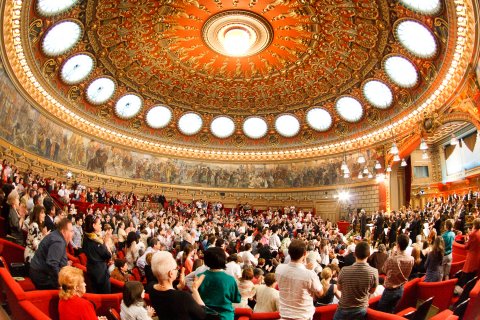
327,298
176,305
97,270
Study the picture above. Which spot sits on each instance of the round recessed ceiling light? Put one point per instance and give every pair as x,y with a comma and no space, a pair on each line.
349,109
50,8
77,68
401,71
237,33
378,94
128,106
100,90
416,38
429,7
222,127
287,125
62,37
255,127
190,123
159,117
319,119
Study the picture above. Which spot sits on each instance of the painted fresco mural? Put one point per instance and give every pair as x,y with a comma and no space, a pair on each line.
23,126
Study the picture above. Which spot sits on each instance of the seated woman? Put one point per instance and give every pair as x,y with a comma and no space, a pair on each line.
171,304
36,232
132,306
329,289
219,290
131,250
71,305
120,272
246,288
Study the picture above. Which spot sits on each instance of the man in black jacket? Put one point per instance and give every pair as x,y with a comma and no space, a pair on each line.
51,256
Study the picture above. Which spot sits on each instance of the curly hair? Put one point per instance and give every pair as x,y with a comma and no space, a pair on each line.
69,278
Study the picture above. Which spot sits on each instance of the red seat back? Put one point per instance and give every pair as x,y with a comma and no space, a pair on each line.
12,252
46,301
473,309
103,302
114,313
410,292
442,292
325,312
31,312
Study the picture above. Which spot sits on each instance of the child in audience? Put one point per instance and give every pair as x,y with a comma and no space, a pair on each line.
120,272
246,288
132,306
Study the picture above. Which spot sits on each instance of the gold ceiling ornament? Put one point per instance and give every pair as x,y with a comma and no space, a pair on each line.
460,46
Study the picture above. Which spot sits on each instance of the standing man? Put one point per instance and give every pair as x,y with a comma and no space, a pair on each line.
297,285
356,282
51,256
397,268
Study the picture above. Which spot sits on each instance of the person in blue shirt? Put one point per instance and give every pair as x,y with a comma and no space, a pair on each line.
448,237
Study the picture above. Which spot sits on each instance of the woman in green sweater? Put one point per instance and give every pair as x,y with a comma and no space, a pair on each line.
219,290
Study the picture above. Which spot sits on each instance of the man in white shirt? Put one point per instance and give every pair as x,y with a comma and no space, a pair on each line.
247,256
274,241
154,247
297,285
233,268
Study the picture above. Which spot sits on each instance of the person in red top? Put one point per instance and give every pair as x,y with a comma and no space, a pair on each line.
472,261
71,305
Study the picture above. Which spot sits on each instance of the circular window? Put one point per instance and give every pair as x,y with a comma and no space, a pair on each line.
128,106
159,117
53,7
77,68
416,38
190,123
319,119
62,37
349,109
401,71
100,90
428,7
255,127
287,125
378,94
222,127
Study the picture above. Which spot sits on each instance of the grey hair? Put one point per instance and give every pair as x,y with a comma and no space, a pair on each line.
162,263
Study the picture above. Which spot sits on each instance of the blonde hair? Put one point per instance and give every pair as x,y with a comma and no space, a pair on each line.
162,263
326,275
416,254
69,278
12,197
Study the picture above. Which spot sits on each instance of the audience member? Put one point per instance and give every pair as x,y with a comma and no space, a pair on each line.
71,305
330,290
356,282
132,306
433,265
472,261
295,280
397,269
120,272
36,232
448,238
97,255
378,258
267,297
246,288
51,256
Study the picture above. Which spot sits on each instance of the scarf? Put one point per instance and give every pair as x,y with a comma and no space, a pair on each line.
93,236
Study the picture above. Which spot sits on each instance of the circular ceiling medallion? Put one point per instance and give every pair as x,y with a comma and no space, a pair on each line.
50,8
237,33
287,125
255,127
222,127
159,117
190,123
77,68
319,119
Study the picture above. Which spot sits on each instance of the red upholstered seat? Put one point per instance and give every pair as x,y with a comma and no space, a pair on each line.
473,309
459,252
265,315
441,291
26,284
243,313
116,285
103,302
12,252
456,266
325,312
378,315
114,313
46,301
82,257
31,312
410,292
444,315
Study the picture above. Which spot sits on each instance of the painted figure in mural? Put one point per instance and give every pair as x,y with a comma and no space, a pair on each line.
99,161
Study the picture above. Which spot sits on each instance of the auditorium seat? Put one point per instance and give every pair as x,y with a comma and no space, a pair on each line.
325,312
456,266
103,302
31,312
459,252
116,285
410,292
243,313
12,252
378,315
441,291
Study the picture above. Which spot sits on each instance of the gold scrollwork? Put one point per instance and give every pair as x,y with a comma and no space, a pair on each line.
35,30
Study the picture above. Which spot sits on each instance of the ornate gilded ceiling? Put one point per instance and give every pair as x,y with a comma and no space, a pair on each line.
330,56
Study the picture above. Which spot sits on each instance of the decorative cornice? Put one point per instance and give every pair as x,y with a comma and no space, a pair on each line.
462,31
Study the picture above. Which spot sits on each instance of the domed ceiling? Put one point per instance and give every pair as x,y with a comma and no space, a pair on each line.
277,79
